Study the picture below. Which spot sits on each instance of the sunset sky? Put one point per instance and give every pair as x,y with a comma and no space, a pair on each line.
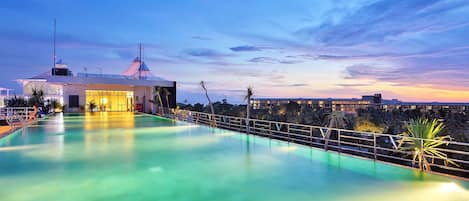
413,50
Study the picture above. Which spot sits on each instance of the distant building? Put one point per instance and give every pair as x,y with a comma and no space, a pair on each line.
350,105
131,91
426,106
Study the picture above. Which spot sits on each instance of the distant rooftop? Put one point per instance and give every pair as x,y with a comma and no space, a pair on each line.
305,99
434,103
137,74
387,102
116,76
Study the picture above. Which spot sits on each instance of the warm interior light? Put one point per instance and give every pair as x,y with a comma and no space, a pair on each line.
104,100
109,100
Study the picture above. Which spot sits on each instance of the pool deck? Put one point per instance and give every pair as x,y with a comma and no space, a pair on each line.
7,130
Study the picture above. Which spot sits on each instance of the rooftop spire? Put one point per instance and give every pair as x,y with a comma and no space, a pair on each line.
138,69
55,30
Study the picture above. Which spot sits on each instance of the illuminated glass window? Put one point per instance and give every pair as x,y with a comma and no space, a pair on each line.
110,100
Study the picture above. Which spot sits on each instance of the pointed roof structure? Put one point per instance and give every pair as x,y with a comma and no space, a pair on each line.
138,70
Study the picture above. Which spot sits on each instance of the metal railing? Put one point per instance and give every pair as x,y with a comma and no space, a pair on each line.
375,146
12,114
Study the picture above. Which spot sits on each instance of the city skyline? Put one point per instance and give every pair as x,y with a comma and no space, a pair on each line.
412,51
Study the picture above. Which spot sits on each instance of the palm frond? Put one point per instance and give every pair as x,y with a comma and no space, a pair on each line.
166,92
248,94
422,138
202,84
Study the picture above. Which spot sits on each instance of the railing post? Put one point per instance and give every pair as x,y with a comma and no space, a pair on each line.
247,125
212,121
338,141
288,132
240,125
310,136
270,129
374,146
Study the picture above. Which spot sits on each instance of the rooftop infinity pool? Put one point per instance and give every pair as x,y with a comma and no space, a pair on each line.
125,156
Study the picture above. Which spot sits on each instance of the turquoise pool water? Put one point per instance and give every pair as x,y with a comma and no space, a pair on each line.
121,156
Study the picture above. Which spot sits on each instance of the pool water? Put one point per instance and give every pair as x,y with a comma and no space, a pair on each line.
125,156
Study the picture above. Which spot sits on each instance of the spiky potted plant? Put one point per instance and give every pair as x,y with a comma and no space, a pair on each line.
422,141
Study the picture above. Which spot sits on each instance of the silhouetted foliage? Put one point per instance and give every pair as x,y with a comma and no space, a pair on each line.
370,119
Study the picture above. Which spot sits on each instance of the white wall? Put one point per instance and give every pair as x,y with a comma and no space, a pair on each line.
142,92
79,89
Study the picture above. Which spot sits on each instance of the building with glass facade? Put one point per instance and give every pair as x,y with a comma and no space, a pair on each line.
350,105
131,91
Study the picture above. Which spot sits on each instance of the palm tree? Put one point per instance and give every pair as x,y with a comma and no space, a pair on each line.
335,119
157,92
202,84
422,141
37,97
248,107
167,93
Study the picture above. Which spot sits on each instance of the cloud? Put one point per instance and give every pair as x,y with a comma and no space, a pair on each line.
364,71
205,59
442,77
263,60
248,72
66,41
201,38
208,53
245,48
383,20
126,53
162,60
352,85
441,53
290,61
292,85
271,60
249,48
298,85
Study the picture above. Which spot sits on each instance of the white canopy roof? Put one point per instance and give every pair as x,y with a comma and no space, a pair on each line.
137,70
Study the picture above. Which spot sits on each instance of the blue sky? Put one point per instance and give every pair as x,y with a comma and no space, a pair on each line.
410,49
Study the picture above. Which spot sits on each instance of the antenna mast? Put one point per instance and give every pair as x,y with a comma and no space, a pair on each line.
141,61
55,30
